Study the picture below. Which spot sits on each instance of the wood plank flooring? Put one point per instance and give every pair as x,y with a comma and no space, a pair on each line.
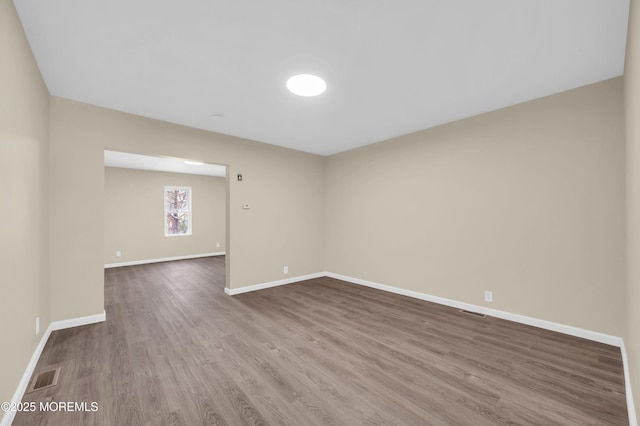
176,350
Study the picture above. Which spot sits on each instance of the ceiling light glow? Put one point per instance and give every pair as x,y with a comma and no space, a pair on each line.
193,163
306,85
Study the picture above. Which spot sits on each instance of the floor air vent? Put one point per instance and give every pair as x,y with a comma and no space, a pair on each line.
44,380
475,314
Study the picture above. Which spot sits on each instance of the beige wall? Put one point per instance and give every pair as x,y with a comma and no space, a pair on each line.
632,114
284,188
526,202
24,105
134,222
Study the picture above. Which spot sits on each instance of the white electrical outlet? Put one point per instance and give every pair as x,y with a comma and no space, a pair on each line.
286,269
118,253
246,206
488,296
37,325
217,244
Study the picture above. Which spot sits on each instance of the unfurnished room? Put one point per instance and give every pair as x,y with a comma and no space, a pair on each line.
320,213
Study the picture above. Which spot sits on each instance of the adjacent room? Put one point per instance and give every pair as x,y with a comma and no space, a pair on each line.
136,227
320,213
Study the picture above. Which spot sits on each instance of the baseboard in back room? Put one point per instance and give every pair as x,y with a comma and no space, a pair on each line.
26,376
162,259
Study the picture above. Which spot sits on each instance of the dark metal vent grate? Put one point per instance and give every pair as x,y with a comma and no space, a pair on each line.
44,380
475,314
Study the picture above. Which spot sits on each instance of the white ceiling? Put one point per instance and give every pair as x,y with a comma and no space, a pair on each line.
160,164
392,67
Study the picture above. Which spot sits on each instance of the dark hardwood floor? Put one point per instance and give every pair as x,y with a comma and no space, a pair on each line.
176,350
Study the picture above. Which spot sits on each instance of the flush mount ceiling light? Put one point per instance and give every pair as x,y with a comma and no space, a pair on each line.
193,163
306,85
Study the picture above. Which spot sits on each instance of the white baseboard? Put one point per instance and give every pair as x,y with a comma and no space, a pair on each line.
234,291
631,408
548,325
7,419
162,259
77,322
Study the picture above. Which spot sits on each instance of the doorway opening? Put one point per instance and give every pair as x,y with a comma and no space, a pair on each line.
159,208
